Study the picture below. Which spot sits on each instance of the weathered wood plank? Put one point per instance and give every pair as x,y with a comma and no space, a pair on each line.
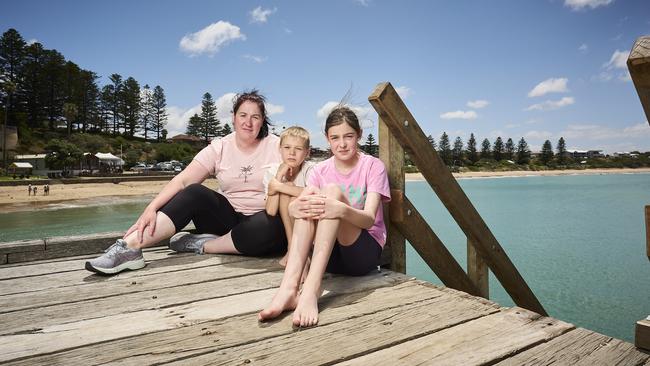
169,263
32,320
49,266
173,344
392,155
639,65
642,334
579,347
355,336
125,283
404,127
90,332
416,230
478,342
477,271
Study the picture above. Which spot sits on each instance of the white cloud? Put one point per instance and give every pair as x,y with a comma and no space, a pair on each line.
597,132
259,15
583,48
210,39
179,117
256,59
538,135
618,60
287,30
32,41
552,85
552,104
364,114
403,91
363,2
582,4
617,64
477,104
459,115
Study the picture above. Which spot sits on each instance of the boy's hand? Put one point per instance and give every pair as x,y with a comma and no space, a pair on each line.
273,187
283,172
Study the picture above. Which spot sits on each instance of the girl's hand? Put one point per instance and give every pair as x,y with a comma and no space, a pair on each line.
327,208
301,207
146,220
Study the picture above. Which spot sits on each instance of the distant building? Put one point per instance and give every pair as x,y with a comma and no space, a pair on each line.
37,161
188,139
584,154
620,154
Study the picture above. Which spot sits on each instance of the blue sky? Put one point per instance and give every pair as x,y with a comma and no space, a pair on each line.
538,69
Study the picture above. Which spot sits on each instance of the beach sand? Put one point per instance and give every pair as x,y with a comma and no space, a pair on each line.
16,198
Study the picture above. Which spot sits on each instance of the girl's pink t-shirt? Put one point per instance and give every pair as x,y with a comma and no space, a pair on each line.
239,174
369,175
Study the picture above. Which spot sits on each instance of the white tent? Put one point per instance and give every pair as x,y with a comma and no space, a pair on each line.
109,159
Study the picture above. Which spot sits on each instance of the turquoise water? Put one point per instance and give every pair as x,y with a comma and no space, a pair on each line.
579,241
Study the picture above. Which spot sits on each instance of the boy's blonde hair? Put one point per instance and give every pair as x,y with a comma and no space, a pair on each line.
296,131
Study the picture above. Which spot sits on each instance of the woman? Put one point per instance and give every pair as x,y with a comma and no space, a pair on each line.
232,220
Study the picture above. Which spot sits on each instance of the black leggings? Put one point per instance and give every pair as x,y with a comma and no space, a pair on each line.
255,235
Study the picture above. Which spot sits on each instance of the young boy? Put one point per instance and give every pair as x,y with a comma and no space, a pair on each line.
284,182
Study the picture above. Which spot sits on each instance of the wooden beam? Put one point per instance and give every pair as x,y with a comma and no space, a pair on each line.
647,231
416,230
477,270
392,155
403,126
642,334
639,65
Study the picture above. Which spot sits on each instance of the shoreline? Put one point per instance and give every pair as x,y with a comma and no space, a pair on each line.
15,199
414,177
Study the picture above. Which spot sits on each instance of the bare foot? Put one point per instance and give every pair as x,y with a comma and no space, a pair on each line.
283,260
282,301
306,313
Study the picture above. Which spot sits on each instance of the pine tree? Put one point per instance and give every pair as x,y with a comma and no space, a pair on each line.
510,149
497,150
33,84
131,106
53,69
445,149
159,112
472,154
485,149
432,141
115,100
226,130
561,151
70,111
547,152
12,59
371,147
211,124
457,152
194,126
146,111
523,152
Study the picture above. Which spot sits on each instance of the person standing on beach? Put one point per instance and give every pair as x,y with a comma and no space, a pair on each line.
232,220
29,189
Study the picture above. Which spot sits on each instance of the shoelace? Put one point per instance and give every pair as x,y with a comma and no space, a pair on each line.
113,249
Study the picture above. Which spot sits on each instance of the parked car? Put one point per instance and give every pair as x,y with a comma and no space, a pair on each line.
139,167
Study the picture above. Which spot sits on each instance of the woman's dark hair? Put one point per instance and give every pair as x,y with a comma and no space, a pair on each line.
257,98
342,114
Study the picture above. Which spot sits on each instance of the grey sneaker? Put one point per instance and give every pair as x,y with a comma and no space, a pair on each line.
186,242
116,259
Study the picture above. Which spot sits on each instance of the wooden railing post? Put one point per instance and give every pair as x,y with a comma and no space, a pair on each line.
639,65
477,270
392,154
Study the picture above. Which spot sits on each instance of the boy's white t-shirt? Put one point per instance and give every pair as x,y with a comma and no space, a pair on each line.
299,181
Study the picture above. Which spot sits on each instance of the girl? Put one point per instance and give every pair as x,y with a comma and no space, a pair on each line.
340,215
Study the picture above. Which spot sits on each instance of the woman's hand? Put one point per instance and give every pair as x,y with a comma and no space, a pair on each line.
146,220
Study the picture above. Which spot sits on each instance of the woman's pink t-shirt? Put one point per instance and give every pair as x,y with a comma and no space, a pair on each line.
369,175
239,174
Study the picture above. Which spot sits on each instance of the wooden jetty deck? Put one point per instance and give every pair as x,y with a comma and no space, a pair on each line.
196,310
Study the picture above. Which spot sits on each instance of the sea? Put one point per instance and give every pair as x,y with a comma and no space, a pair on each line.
577,240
